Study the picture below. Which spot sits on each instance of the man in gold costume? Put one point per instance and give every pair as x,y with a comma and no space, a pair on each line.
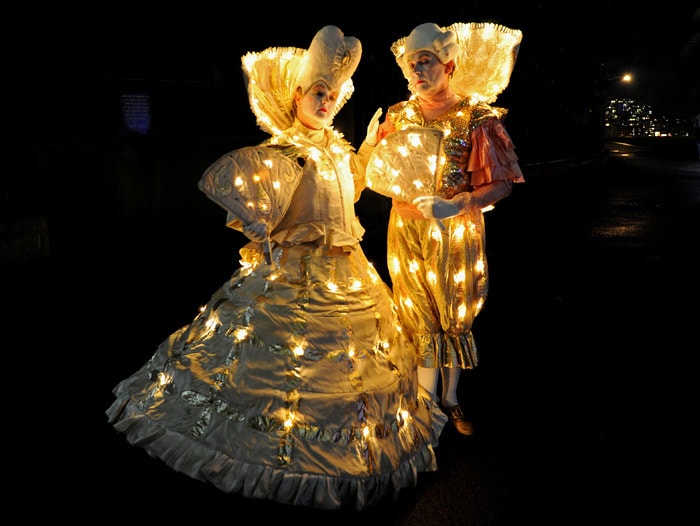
436,237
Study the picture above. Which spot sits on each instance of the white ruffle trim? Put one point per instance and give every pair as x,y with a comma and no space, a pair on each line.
198,461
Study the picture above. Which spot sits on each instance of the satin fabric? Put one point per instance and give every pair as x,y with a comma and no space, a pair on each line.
439,270
293,383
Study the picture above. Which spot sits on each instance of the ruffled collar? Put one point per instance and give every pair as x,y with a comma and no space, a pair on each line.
304,137
316,136
299,130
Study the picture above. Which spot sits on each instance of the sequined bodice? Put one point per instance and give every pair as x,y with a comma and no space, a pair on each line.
457,123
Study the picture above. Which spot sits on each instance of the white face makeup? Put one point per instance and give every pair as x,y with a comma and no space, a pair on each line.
315,107
429,75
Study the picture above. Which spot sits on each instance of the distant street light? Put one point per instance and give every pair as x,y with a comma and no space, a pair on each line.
606,89
627,77
614,86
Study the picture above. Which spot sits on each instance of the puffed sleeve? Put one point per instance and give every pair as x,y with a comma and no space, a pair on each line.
493,154
358,165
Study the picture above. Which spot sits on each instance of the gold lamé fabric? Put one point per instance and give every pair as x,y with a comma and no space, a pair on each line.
439,271
457,124
440,283
292,383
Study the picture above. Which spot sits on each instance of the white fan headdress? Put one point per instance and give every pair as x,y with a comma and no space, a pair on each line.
272,75
484,57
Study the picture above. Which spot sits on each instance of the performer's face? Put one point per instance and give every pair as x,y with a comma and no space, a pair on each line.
429,75
315,107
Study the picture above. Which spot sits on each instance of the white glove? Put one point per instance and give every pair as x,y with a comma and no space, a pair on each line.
433,207
256,231
373,128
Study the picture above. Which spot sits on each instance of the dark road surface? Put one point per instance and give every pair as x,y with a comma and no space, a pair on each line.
582,399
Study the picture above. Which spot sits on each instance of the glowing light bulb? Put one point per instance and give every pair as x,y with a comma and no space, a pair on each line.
289,422
418,184
395,265
414,139
315,154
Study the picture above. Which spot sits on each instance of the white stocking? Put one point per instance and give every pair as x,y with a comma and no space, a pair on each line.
428,378
450,380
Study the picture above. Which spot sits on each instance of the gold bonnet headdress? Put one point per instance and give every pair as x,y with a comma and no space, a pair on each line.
272,75
484,55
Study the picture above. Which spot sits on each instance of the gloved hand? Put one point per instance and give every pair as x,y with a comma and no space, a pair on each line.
256,231
373,128
433,207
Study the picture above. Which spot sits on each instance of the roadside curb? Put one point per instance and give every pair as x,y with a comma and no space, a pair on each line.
546,167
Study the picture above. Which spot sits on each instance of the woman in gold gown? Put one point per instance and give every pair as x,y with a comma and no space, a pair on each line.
292,383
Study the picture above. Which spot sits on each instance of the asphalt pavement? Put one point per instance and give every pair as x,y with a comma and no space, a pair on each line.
582,401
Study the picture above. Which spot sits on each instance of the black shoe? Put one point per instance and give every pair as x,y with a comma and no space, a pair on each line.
455,415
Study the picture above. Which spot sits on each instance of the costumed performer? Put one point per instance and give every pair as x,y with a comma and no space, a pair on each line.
292,383
436,242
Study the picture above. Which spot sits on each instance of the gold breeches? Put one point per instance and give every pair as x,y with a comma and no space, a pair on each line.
440,283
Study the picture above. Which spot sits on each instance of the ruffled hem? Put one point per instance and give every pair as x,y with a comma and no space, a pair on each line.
200,462
446,350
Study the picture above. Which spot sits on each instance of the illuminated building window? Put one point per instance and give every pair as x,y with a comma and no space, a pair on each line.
136,113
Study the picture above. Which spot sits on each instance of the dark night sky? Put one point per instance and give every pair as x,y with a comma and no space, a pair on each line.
74,62
646,38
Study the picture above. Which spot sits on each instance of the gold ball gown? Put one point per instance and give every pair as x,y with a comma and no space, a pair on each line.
292,383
